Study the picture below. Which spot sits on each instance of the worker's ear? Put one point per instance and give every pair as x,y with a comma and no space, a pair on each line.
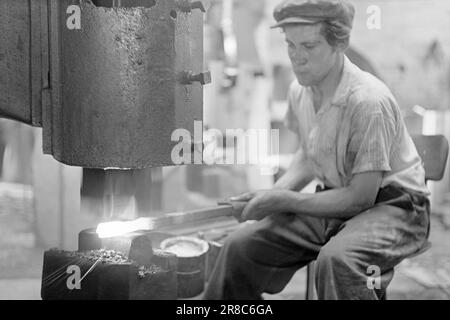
341,47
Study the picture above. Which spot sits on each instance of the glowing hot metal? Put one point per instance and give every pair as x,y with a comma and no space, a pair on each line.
118,228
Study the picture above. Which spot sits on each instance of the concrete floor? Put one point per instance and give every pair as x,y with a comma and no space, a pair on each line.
424,277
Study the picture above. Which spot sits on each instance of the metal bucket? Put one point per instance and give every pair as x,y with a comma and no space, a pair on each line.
191,253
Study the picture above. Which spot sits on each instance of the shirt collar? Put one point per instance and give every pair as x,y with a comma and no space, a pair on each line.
344,88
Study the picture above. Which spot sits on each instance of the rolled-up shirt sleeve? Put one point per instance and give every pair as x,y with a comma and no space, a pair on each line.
371,138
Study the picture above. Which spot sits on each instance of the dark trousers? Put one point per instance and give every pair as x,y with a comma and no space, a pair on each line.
263,256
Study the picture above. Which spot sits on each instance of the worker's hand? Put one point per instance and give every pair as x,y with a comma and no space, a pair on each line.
238,208
240,202
263,204
245,197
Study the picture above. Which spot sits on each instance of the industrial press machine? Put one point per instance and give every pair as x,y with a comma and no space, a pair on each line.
109,81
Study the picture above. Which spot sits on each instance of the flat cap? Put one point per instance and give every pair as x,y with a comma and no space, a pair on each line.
313,11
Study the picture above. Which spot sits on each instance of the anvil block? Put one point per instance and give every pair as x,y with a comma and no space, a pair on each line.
136,246
55,278
89,240
114,278
140,246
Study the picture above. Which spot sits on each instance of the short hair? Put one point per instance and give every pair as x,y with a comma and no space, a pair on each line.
336,33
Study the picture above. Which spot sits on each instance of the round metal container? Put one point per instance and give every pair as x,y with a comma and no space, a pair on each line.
191,253
213,254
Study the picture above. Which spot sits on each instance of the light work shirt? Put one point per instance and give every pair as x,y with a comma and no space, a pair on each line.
362,130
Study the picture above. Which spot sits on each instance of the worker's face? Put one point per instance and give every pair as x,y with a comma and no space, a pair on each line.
311,56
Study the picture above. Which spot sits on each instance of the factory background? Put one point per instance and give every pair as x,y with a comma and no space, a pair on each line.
40,198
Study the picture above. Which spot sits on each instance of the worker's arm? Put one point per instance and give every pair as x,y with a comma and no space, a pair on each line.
371,137
298,175
346,202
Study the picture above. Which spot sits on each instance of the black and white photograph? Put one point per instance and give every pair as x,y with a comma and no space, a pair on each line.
229,156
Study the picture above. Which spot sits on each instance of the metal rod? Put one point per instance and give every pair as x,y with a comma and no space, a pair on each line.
91,268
